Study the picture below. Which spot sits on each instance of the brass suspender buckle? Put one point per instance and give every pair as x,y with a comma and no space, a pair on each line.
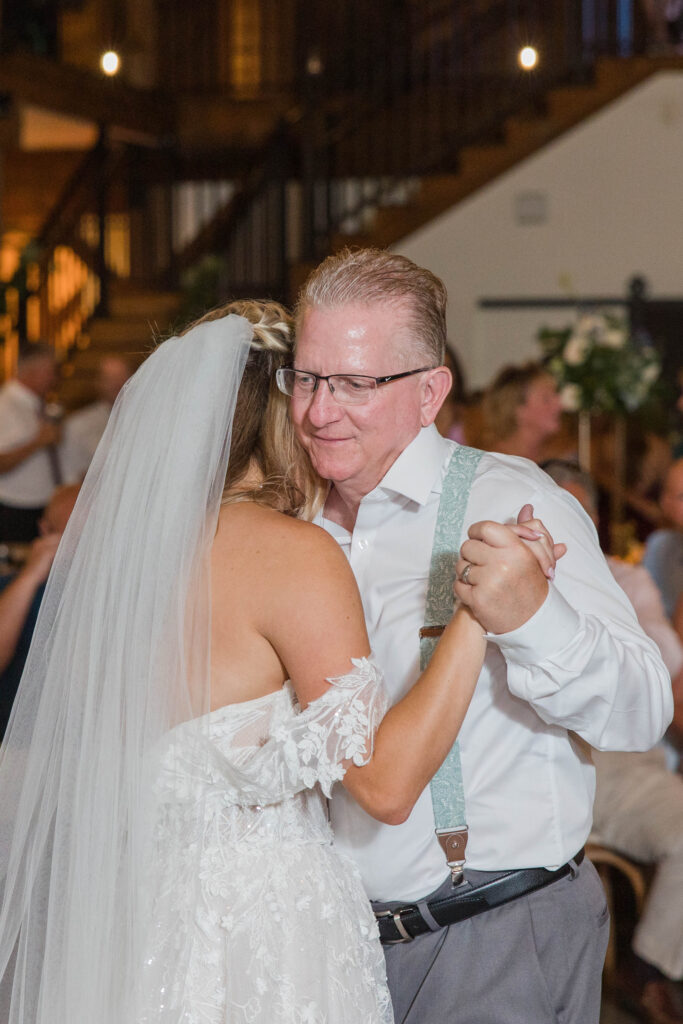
453,842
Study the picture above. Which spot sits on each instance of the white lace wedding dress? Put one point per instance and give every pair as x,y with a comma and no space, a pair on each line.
257,918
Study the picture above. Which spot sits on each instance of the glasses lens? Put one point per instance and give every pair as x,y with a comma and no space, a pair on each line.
294,382
352,390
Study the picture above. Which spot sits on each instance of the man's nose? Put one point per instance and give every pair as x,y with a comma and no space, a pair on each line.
323,406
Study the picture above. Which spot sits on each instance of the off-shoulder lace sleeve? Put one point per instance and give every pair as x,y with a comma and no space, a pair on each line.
311,747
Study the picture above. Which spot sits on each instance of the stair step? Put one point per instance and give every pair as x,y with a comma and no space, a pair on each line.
123,330
612,72
481,161
570,99
139,302
526,133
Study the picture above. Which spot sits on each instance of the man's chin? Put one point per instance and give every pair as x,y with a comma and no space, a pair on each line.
336,471
332,463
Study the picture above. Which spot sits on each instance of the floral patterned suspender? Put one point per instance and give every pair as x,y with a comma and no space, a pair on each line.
448,795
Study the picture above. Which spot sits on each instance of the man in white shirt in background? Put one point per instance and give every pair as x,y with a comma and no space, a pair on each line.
84,428
564,656
29,469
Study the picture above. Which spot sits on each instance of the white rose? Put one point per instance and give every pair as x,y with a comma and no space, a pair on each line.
613,338
575,350
570,396
589,322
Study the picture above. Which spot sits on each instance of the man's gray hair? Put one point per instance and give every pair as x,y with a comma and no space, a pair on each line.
369,277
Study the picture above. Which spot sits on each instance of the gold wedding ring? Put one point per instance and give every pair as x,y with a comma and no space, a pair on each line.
465,574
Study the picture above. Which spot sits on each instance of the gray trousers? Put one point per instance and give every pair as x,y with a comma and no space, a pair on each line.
536,960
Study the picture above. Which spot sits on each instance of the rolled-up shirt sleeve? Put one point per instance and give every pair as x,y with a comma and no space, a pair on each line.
582,661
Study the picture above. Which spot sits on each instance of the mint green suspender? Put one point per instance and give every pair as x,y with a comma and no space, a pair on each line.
448,796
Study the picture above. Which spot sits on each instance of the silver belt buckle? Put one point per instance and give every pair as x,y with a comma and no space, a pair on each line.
400,927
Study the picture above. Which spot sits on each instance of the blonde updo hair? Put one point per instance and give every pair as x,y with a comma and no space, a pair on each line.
262,432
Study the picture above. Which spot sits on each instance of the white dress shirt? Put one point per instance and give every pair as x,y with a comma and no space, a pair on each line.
82,433
581,663
30,484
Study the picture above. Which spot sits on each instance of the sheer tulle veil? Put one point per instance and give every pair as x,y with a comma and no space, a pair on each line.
119,660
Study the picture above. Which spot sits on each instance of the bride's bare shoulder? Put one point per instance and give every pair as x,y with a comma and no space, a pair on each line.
256,529
290,583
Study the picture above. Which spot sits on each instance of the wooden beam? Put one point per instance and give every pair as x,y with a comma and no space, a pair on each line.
81,93
32,183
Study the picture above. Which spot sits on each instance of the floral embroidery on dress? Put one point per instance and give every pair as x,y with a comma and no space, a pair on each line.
276,927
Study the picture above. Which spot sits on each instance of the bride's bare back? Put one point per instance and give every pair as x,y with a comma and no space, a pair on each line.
284,605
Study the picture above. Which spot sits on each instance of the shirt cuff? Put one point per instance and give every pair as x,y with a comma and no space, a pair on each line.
548,631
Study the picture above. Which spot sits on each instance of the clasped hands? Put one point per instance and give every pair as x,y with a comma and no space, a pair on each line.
509,569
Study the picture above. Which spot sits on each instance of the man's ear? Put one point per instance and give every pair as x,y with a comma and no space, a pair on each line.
436,384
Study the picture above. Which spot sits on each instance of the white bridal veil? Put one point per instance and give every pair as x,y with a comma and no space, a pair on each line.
119,658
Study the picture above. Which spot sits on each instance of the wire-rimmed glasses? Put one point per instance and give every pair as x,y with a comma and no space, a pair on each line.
347,388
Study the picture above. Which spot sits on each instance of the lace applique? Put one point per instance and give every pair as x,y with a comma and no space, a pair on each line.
257,919
310,748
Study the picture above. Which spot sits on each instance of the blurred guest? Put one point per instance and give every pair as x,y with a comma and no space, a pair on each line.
21,594
638,806
449,419
677,446
664,548
522,411
29,468
83,429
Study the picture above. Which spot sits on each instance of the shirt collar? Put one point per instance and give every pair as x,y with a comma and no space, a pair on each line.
419,468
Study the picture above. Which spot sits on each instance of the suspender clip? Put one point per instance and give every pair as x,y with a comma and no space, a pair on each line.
453,842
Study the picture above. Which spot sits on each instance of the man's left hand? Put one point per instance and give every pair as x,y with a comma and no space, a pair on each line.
505,584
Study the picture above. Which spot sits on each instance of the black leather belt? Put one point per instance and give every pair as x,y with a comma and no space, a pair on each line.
405,923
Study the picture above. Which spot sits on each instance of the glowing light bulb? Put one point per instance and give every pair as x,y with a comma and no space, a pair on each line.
528,58
110,62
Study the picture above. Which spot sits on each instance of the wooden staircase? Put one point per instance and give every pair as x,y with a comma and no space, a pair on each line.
139,318
479,165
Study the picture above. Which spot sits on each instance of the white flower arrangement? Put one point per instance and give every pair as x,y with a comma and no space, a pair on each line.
598,365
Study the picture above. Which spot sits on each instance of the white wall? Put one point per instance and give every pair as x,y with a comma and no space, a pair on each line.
613,191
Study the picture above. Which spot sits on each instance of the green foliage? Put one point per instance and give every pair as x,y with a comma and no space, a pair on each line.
599,366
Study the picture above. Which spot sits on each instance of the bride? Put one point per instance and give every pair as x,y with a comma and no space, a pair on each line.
200,677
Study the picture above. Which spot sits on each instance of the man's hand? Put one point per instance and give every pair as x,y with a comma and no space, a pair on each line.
505,584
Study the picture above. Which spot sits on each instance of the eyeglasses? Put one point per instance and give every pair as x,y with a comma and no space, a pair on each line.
347,388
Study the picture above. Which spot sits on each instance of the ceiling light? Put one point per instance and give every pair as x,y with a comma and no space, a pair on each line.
528,58
110,62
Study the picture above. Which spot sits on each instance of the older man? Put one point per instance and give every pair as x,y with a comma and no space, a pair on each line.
521,939
83,429
29,470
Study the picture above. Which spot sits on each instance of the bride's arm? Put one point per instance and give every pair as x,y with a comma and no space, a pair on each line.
417,732
322,627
